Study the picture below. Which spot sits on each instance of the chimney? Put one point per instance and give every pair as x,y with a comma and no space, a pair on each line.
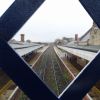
22,37
76,37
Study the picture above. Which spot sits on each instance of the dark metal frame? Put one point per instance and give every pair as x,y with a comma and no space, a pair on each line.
19,71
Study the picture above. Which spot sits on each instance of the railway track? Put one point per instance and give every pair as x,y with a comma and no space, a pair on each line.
3,77
50,69
94,92
5,81
7,84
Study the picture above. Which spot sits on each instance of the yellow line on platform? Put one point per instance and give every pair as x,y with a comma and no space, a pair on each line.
5,87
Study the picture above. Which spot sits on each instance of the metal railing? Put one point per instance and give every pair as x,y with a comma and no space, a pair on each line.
10,22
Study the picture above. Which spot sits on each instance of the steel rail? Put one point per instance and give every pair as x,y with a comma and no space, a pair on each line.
88,96
55,76
5,87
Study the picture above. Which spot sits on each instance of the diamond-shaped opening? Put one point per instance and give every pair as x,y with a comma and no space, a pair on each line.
58,19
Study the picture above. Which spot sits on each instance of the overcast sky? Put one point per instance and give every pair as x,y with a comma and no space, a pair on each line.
54,19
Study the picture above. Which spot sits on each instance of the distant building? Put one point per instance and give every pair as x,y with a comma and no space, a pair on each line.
84,40
66,40
63,41
58,42
12,41
22,37
91,37
28,41
94,35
